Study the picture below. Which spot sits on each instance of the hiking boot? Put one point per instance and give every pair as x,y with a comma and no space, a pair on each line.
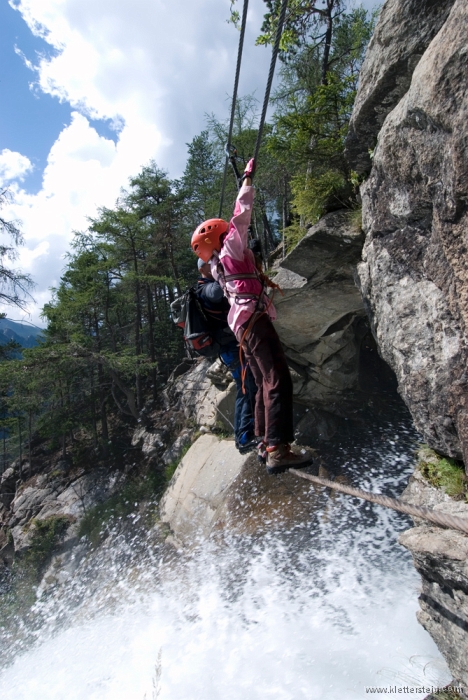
248,445
281,457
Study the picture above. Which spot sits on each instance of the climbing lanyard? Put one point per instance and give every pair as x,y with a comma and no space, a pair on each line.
231,152
437,517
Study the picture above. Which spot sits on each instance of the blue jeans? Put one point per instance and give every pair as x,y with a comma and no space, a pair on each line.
245,403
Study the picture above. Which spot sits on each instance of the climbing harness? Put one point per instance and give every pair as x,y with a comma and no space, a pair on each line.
244,298
231,152
438,518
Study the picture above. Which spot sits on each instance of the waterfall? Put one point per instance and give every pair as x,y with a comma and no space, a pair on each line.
322,608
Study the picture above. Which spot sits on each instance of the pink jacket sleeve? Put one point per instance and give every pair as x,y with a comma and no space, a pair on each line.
236,241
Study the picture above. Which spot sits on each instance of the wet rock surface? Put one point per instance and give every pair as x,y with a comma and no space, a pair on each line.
216,490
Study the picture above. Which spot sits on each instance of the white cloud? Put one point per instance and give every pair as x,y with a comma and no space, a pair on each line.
13,166
155,68
84,171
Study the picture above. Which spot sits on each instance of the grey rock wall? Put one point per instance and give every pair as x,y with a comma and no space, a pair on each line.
412,105
316,317
404,31
414,272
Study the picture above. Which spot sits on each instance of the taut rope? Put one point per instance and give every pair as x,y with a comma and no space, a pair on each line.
438,518
234,100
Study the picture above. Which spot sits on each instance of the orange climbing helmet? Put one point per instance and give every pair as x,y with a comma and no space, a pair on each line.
206,238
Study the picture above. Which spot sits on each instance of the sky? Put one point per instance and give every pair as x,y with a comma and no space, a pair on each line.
91,92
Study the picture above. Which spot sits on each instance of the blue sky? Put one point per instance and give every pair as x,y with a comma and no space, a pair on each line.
91,91
30,119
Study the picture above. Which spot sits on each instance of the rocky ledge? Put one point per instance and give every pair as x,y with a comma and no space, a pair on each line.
441,557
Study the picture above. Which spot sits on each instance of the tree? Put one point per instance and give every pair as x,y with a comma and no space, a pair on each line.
309,23
14,284
321,62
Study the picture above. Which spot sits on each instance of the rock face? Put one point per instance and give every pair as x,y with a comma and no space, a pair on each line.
441,557
404,31
48,496
195,394
319,313
216,491
198,488
414,276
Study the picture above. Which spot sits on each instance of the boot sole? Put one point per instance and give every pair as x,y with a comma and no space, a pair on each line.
272,471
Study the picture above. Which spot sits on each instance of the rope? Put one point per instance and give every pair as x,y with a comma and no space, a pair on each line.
443,519
234,99
266,100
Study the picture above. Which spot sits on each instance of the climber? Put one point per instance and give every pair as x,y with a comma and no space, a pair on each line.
216,307
225,247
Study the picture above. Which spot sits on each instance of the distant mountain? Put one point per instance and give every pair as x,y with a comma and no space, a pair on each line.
22,333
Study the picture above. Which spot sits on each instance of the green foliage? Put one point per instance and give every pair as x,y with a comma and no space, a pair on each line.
443,473
355,218
313,106
313,196
46,534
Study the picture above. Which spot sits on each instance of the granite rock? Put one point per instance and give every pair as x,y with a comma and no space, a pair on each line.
402,34
316,317
441,557
414,275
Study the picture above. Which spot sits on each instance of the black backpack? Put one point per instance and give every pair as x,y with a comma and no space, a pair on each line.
199,332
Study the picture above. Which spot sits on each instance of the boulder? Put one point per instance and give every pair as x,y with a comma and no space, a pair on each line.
414,275
199,486
217,492
316,317
403,32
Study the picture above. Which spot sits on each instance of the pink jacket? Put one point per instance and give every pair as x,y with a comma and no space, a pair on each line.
236,258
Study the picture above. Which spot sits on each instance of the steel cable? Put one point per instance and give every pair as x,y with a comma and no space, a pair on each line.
234,100
438,518
266,100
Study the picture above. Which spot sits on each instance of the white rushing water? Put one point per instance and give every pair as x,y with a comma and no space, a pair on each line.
322,610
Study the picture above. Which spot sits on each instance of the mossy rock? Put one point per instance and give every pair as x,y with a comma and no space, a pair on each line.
443,473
